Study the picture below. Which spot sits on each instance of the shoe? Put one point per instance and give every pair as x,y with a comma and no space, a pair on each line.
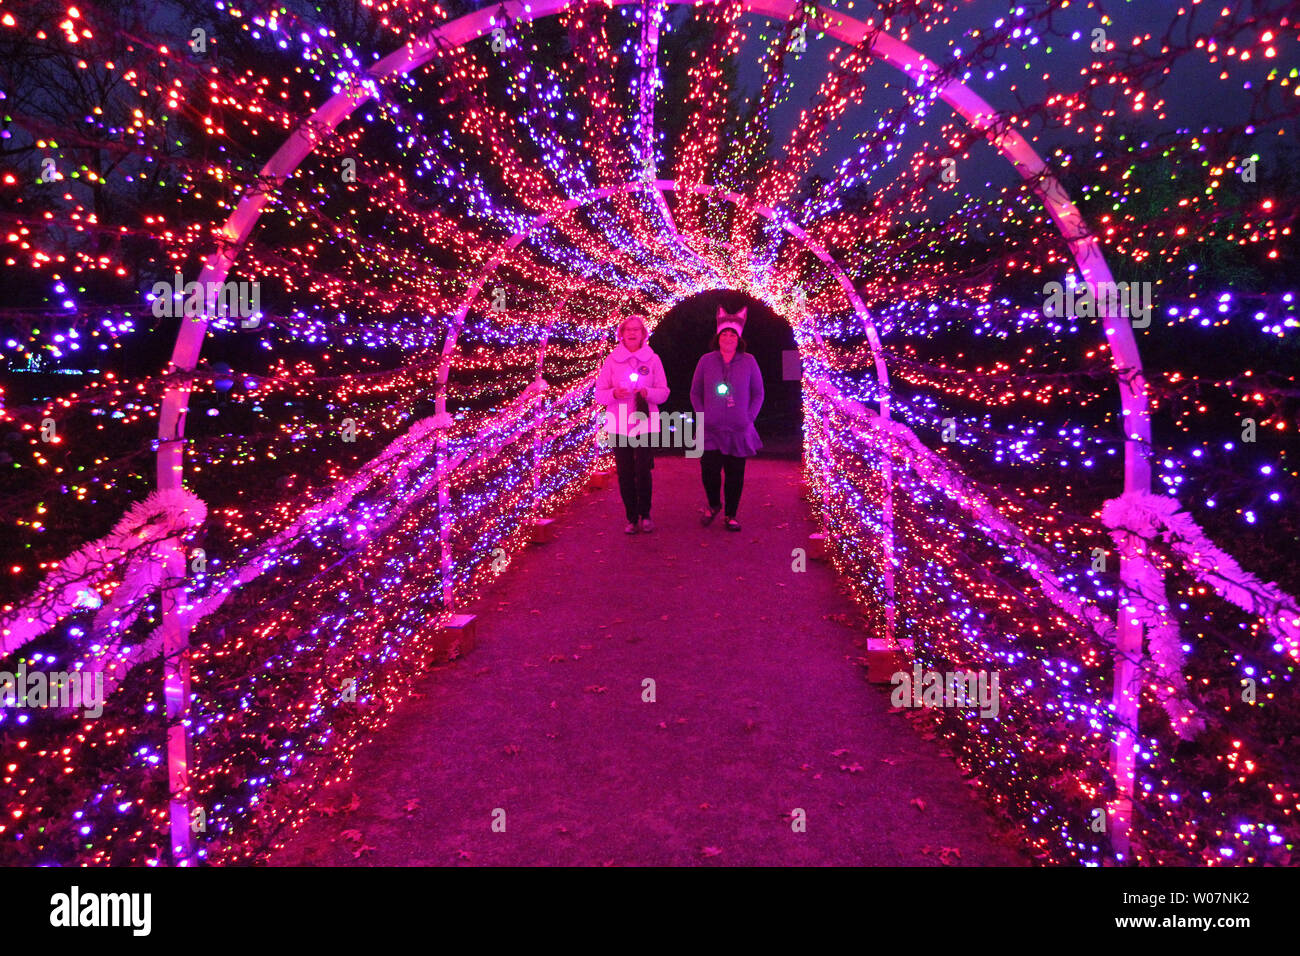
733,524
631,528
647,525
707,515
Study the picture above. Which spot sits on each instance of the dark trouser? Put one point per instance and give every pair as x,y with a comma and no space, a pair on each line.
634,466
712,465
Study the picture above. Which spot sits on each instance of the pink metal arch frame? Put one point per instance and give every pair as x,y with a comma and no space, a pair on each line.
1082,243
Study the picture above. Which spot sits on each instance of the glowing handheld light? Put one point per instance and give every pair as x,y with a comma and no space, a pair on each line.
722,388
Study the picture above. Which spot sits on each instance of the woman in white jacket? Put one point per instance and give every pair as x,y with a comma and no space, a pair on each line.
631,384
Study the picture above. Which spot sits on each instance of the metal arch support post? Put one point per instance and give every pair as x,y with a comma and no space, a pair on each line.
176,695
170,467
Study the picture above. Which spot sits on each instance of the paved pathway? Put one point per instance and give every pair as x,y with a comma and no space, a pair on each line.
759,710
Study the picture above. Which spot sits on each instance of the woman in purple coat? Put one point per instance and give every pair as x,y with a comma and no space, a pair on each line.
726,393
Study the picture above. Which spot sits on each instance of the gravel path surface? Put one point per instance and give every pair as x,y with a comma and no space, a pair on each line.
759,709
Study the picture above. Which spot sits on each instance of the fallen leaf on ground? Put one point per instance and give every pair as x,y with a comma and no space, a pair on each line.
596,689
839,753
412,806
711,851
364,848
510,749
851,767
918,803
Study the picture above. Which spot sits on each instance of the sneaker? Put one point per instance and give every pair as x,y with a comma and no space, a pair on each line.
733,524
707,515
631,528
647,525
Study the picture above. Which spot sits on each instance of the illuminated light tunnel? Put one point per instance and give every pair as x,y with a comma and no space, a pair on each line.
350,280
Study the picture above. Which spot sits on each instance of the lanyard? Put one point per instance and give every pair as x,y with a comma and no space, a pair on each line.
725,388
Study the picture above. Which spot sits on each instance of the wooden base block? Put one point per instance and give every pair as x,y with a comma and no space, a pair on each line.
883,661
456,638
817,546
543,530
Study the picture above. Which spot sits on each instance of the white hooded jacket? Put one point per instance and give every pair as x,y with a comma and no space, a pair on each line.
618,370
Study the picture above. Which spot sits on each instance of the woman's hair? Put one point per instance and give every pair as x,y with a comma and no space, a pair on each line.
639,320
740,340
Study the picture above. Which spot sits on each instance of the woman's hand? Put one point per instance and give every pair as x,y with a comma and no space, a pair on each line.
644,393
621,393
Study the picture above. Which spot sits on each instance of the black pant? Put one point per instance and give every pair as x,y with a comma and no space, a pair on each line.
634,466
712,465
